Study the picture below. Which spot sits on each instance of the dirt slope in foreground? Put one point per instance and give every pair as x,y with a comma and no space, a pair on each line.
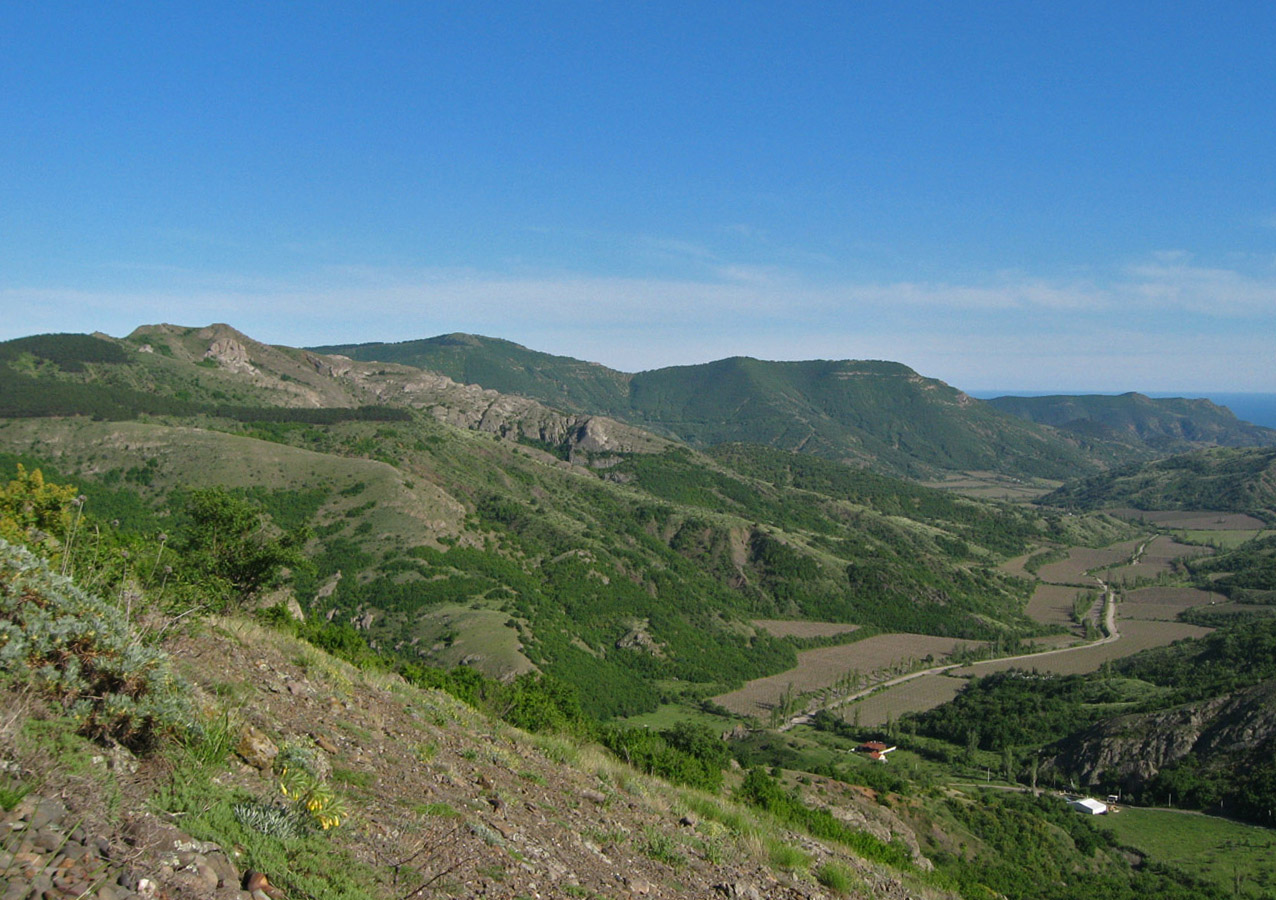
436,791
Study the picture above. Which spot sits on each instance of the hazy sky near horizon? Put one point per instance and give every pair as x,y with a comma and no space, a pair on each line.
1031,195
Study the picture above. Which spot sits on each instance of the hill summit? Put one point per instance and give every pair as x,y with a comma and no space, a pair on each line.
863,412
857,411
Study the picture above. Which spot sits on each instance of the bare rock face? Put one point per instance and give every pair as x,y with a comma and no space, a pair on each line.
864,813
231,354
256,749
638,639
330,366
328,587
1133,749
282,597
505,415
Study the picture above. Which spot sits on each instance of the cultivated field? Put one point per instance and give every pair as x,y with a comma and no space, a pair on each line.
874,658
1147,618
1164,603
1160,552
787,628
930,691
1202,519
1015,566
1136,635
1051,642
1082,559
1223,540
1052,603
917,695
992,486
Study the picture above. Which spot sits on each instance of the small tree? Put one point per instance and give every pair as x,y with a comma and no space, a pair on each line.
230,548
35,512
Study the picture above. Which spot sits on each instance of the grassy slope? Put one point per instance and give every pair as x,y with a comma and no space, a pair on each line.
1235,857
1234,480
402,764
864,411
574,562
1167,423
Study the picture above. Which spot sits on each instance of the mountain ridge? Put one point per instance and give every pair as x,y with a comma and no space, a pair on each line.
862,412
1168,423
475,515
830,407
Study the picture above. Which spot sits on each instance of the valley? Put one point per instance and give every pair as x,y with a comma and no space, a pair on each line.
637,451
877,679
627,570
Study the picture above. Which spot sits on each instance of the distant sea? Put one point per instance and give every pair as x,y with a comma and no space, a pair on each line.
1257,408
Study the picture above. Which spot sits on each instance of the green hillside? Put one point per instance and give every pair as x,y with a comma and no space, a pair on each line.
878,413
434,534
635,576
504,366
346,777
863,412
1167,424
1234,480
646,576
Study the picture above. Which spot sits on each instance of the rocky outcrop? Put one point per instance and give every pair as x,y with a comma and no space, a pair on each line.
304,378
49,852
637,638
506,415
230,354
1130,750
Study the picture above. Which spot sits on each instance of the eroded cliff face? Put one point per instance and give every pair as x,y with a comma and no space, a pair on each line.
302,378
1130,750
507,415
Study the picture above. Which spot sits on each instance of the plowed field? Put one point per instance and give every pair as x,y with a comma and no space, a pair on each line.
817,669
786,628
1082,559
917,695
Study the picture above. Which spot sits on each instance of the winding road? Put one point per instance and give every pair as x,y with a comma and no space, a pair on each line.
1111,636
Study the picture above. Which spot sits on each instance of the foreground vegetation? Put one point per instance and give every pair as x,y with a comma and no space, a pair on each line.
636,582
524,588
290,836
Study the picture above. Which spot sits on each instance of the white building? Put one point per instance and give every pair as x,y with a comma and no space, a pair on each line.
1089,806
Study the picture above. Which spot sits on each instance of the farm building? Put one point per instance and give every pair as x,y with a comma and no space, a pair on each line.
1089,806
874,750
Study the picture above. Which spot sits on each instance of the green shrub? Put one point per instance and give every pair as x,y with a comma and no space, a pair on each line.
834,877
10,795
33,511
230,548
661,847
210,744
80,650
280,822
439,809
786,856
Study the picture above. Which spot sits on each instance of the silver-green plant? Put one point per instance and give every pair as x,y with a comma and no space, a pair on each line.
78,649
283,823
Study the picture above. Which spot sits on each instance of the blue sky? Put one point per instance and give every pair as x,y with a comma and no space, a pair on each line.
1014,195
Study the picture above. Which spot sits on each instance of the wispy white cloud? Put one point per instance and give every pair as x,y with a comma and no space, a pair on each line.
1156,324
1200,289
671,247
